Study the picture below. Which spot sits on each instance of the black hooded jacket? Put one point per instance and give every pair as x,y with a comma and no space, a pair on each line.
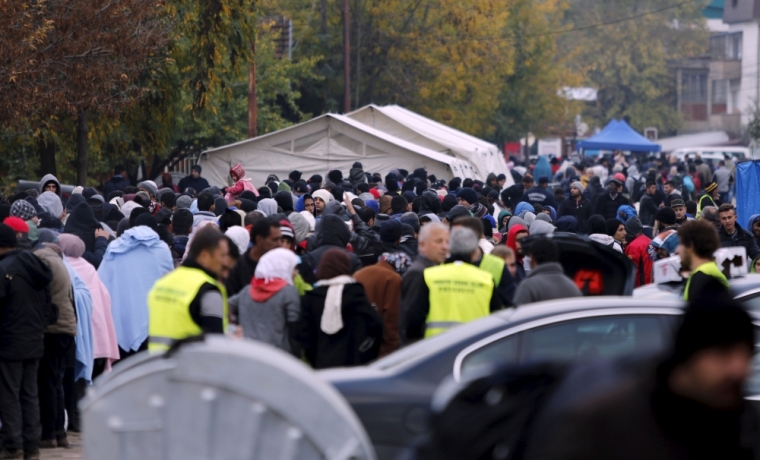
26,308
82,223
358,342
333,234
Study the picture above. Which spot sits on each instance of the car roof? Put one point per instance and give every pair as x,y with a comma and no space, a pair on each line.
515,316
739,286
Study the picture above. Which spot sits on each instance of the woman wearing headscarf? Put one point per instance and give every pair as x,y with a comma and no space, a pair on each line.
338,327
385,204
82,223
516,231
105,349
270,310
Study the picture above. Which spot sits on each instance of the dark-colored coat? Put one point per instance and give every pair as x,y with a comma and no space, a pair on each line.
539,195
357,343
333,234
82,223
580,210
637,418
740,237
607,207
512,195
113,184
412,290
26,308
195,184
648,208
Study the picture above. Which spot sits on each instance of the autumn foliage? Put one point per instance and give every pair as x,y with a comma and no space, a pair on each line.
64,57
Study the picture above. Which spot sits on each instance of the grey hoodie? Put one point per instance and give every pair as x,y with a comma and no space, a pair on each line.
268,321
50,178
539,227
546,282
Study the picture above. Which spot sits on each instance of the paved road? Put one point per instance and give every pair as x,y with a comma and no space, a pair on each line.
75,451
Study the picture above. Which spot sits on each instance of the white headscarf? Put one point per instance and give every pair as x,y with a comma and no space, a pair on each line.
240,236
128,207
310,219
277,264
268,206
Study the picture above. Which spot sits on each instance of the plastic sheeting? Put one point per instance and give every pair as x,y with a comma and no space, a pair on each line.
747,191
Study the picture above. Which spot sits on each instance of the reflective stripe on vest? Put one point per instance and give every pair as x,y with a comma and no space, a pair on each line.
459,293
169,306
494,266
709,268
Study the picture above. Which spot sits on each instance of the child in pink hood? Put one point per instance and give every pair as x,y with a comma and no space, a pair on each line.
242,184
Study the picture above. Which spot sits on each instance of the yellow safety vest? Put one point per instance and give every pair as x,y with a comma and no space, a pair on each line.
706,195
169,307
709,268
459,293
494,266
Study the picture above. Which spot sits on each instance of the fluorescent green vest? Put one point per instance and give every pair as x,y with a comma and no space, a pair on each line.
701,200
494,266
459,293
169,307
710,268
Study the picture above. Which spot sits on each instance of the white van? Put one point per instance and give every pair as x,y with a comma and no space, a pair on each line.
713,154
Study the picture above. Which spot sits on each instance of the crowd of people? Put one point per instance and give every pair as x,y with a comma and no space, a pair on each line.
337,270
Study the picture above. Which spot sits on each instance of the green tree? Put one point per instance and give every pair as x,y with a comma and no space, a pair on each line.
628,59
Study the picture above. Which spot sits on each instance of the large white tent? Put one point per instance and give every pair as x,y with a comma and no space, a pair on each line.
325,143
404,124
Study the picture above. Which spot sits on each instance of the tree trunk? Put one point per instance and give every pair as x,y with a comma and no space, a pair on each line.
82,144
323,16
346,58
46,151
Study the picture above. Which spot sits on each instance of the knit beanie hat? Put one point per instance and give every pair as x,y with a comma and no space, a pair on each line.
149,186
612,226
237,172
469,195
666,216
184,202
579,185
23,209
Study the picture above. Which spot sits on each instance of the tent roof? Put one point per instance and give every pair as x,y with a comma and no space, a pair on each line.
405,124
326,142
617,135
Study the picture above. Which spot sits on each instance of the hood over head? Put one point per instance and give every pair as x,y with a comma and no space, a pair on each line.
47,178
333,232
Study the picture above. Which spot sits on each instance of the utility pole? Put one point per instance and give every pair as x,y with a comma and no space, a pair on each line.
346,58
252,100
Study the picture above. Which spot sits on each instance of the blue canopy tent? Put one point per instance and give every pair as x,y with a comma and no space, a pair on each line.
617,135
747,192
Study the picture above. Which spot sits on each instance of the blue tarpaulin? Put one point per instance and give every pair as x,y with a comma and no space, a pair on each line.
617,135
747,191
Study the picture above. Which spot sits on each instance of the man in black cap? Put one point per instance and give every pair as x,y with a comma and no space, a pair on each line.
25,311
540,195
293,178
679,207
193,181
608,203
691,406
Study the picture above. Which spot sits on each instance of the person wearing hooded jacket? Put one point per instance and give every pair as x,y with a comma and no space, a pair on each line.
49,183
753,226
338,327
333,233
26,310
82,223
59,341
637,251
356,174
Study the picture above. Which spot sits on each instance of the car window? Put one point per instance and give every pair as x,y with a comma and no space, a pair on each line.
600,337
503,351
751,302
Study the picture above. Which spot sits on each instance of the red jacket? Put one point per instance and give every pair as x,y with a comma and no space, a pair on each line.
637,252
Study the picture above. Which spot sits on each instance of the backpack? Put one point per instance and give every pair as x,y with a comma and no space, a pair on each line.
491,414
688,183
